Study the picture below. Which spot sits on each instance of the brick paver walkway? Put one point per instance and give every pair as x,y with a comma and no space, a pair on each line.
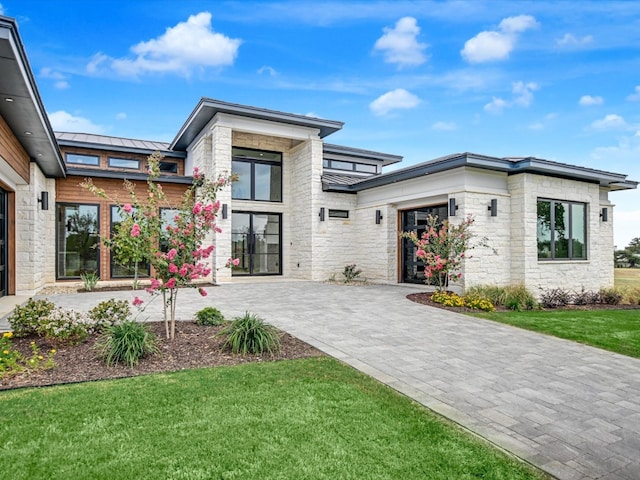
572,410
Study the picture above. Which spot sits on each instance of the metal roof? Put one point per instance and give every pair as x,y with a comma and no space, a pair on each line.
21,105
385,158
96,173
511,166
207,108
120,144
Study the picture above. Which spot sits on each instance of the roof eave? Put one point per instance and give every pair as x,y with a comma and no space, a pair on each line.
116,148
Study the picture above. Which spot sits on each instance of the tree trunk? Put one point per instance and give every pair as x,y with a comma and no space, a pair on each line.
164,311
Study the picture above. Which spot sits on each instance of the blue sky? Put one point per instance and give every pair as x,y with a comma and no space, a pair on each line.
422,79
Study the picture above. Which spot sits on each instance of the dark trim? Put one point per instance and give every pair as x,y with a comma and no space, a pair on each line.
252,162
385,158
146,273
552,221
58,277
120,149
97,173
251,213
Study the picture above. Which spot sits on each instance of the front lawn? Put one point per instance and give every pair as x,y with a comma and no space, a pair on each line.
311,419
614,330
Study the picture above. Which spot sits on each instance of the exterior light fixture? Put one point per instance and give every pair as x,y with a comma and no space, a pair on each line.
44,200
225,211
8,99
321,214
27,132
604,214
452,207
493,208
378,217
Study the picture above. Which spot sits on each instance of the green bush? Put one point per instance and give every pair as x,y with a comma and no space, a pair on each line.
209,316
89,280
250,334
351,273
513,297
126,343
26,319
109,312
66,326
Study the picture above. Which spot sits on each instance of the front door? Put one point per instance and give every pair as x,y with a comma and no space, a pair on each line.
3,243
255,239
416,220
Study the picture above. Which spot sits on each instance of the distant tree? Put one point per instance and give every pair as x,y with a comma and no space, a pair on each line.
631,254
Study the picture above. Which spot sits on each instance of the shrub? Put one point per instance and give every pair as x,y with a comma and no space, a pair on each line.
610,296
209,316
90,280
66,326
127,343
586,297
250,334
351,273
478,302
555,297
109,312
26,319
631,295
448,299
513,297
13,362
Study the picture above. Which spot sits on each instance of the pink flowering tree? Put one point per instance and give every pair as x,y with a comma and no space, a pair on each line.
442,247
176,249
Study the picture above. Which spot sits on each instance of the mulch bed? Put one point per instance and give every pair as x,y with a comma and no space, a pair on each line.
194,346
425,299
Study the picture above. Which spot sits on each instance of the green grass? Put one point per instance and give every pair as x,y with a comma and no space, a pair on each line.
614,330
303,419
627,277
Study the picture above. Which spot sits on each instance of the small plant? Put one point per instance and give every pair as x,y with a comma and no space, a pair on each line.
586,297
90,280
351,273
610,296
250,334
66,326
12,362
109,312
478,302
25,320
513,297
448,299
127,343
209,316
555,298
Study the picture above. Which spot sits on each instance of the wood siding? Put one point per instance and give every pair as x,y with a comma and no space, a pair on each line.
13,151
68,190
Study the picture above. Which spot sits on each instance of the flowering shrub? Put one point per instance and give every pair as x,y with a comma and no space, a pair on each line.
176,251
473,301
442,247
13,362
448,299
25,319
109,312
478,302
66,326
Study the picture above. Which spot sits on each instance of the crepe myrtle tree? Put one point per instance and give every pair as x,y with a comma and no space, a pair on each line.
176,251
443,247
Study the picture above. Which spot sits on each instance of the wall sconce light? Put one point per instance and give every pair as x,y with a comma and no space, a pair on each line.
452,207
493,208
44,200
321,214
225,211
604,214
378,217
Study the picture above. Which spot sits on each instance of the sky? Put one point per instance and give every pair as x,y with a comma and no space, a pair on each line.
421,79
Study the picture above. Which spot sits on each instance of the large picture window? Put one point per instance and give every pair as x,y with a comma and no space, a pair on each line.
119,270
562,230
78,240
259,175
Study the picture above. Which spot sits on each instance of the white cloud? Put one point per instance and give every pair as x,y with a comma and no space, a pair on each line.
492,45
571,41
588,100
611,121
400,44
522,97
1,9
60,79
444,126
635,97
268,70
62,121
121,116
536,126
179,50
393,100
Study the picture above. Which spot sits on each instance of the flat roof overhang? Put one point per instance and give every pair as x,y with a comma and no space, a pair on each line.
95,173
21,105
207,108
384,158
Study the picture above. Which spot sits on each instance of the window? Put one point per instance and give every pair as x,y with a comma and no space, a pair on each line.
124,163
77,240
338,213
168,167
93,160
127,270
168,219
350,166
259,175
562,230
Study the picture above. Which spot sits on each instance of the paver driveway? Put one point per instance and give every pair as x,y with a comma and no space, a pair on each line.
572,410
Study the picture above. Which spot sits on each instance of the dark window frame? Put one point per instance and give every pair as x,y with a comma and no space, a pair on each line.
97,157
251,214
328,163
79,204
336,213
142,272
252,163
552,229
175,168
137,167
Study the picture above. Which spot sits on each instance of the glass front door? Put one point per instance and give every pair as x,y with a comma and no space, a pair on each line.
255,239
416,220
77,240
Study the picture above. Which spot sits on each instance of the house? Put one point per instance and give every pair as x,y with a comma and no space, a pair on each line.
302,208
